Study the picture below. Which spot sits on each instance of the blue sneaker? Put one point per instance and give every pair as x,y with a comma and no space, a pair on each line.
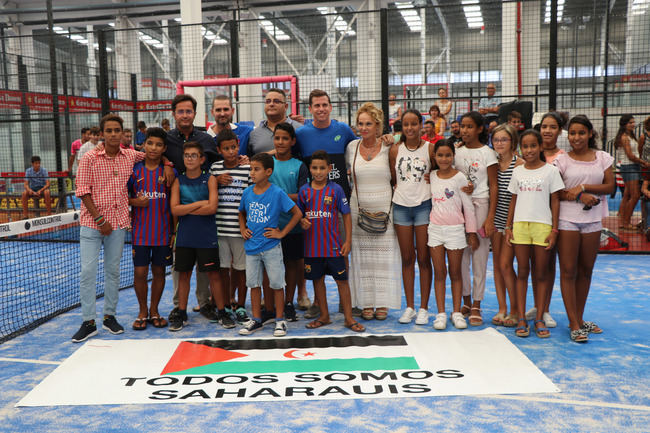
241,316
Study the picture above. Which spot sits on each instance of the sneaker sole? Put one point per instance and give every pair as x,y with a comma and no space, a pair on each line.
111,331
249,332
228,326
279,334
92,334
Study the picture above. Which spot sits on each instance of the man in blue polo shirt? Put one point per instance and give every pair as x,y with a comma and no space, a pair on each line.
223,111
326,134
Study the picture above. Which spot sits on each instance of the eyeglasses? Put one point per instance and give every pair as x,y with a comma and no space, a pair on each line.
191,156
501,140
183,112
274,101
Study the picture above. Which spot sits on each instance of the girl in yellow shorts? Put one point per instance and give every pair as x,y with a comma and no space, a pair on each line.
532,225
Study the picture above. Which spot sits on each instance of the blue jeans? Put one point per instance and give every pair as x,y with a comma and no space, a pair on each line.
91,241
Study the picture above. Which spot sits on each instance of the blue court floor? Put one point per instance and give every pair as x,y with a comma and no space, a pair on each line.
604,384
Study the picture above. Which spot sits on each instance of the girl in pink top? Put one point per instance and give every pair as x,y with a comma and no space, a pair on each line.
588,176
452,216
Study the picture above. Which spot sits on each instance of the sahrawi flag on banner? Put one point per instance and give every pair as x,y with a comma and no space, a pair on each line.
298,368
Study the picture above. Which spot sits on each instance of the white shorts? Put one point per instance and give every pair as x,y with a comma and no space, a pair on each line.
580,227
451,237
232,253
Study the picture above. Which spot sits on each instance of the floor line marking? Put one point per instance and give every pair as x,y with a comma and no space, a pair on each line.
575,402
30,361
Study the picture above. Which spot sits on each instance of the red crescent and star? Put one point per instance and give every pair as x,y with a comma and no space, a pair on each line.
294,355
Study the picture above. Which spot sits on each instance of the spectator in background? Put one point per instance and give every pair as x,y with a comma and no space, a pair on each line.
223,111
514,120
275,109
165,125
140,135
127,139
37,186
455,137
73,161
93,140
563,138
627,155
489,107
394,109
493,124
397,130
430,132
443,103
438,120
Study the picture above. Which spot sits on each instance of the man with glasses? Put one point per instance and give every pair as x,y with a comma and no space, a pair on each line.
275,108
223,111
184,112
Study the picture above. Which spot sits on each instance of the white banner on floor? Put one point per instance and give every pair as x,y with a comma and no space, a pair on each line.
294,368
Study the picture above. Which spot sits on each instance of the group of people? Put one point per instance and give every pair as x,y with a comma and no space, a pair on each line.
266,208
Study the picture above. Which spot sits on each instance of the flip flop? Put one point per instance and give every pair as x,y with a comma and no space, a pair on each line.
158,322
368,314
522,331
140,324
499,319
510,321
356,327
316,324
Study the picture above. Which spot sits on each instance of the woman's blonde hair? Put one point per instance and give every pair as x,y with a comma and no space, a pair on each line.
514,136
376,114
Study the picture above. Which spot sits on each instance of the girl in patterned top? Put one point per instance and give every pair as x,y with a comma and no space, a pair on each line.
505,140
410,160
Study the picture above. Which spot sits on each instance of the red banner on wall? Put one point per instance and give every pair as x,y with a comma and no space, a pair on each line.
118,105
163,105
11,99
43,101
78,104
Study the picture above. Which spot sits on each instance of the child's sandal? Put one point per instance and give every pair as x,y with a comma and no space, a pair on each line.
541,332
522,331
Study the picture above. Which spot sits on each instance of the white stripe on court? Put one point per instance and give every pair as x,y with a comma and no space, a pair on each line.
30,361
573,402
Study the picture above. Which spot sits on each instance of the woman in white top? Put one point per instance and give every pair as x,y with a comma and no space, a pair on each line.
443,103
394,110
374,258
410,160
627,155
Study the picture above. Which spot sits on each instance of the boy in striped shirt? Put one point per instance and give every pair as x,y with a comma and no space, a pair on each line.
232,179
321,201
153,227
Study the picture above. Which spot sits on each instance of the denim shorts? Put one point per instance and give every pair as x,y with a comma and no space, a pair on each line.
630,172
269,260
412,216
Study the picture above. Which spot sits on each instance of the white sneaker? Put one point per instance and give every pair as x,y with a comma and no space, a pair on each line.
407,316
549,321
422,317
458,320
280,328
531,314
441,321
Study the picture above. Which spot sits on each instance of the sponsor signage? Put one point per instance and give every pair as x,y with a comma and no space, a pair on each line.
296,368
162,105
78,104
11,99
118,105
26,227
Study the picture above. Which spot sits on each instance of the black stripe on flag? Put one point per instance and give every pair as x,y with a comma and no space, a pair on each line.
305,343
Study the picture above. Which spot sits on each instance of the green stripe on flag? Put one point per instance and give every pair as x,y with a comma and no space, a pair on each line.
304,366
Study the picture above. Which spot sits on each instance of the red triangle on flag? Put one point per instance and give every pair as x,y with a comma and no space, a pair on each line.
189,355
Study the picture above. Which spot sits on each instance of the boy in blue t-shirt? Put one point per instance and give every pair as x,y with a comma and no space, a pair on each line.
152,228
322,201
259,213
194,202
289,174
232,179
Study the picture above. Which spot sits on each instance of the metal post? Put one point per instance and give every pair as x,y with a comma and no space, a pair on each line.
54,88
103,73
134,98
383,26
350,106
4,57
234,53
552,59
471,99
25,124
536,97
605,73
66,111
